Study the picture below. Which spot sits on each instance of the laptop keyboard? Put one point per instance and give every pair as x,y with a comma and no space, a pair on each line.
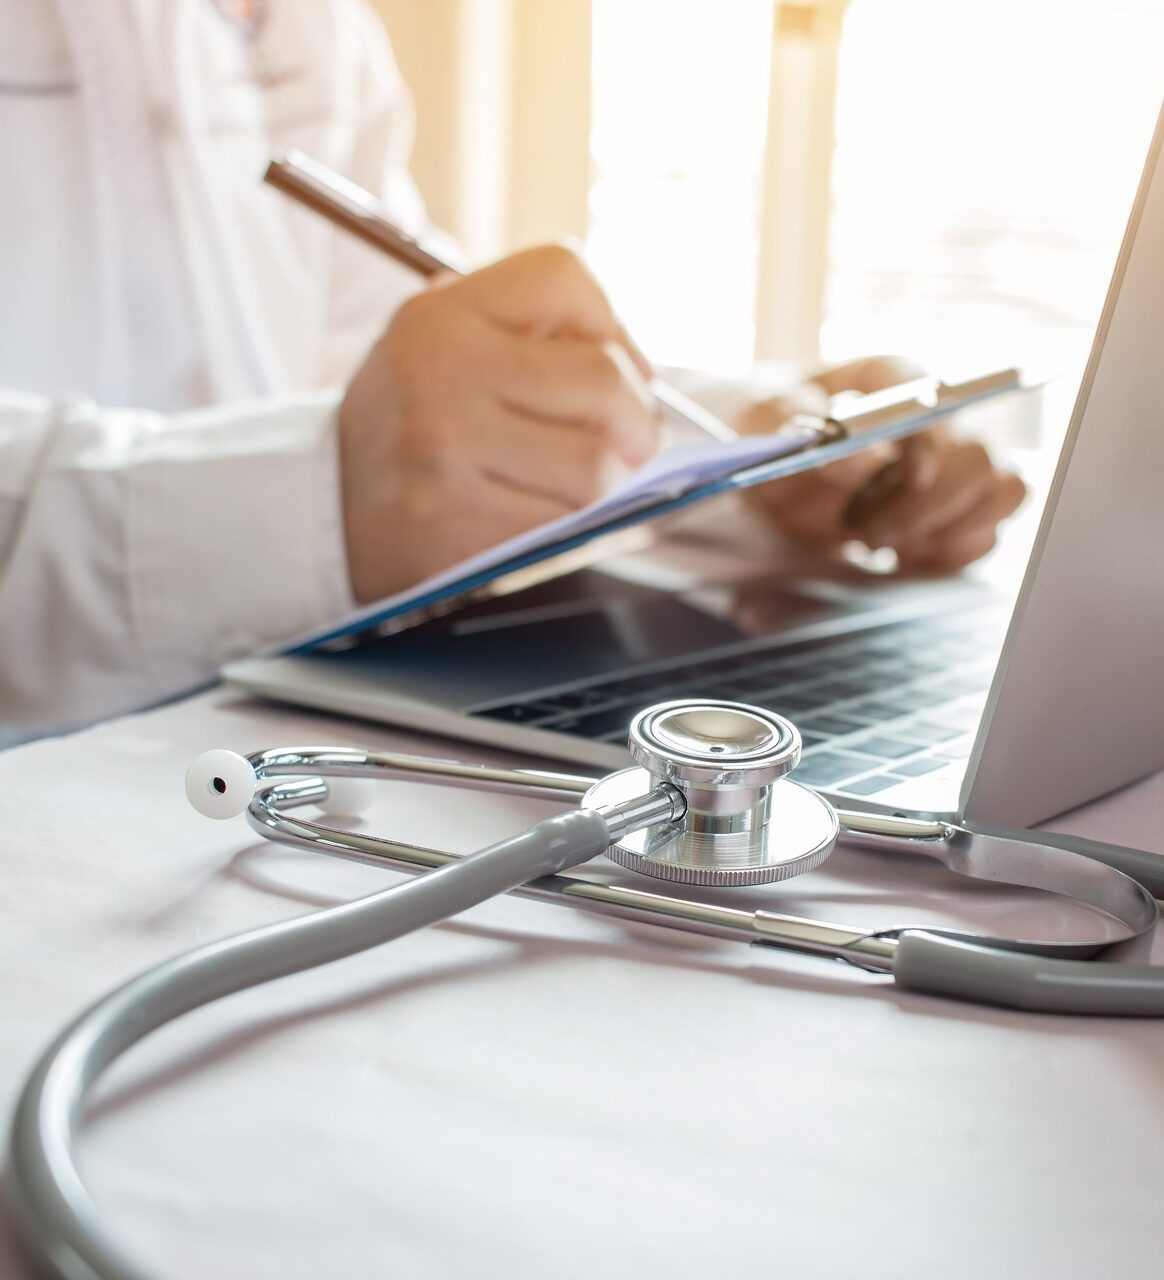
874,709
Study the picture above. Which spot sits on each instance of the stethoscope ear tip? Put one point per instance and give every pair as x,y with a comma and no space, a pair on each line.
220,784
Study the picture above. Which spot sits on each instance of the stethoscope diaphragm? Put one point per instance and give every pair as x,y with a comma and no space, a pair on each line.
745,822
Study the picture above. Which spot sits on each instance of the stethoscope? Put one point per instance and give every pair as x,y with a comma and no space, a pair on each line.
708,802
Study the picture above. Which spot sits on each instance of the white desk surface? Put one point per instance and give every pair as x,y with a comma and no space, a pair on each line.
531,1092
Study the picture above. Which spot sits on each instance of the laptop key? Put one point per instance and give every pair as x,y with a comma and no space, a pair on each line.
787,704
916,768
833,724
871,785
885,747
916,700
925,665
778,665
698,670
521,712
964,718
741,688
636,686
816,671
577,699
876,709
835,690
599,724
827,768
949,687
926,731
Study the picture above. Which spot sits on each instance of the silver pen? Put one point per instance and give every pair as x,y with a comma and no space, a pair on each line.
348,205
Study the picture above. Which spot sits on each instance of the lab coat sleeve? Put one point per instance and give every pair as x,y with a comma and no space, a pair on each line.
138,552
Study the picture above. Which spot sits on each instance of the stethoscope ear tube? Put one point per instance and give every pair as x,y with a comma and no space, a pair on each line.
948,967
1147,869
57,1219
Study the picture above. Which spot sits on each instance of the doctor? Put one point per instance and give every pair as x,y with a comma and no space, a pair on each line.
221,422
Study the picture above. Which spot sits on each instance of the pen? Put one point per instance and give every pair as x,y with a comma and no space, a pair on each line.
348,205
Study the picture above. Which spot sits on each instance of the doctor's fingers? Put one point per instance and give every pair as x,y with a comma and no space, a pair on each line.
594,385
819,497
565,464
972,535
966,478
810,510
882,468
547,291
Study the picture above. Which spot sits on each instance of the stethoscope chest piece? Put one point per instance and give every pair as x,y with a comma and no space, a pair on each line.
745,821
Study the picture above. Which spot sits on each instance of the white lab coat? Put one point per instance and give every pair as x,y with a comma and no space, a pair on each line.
142,264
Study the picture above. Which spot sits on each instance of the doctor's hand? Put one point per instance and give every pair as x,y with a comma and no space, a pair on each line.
938,507
493,402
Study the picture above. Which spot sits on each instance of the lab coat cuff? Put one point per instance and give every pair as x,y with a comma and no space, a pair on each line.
335,574
235,534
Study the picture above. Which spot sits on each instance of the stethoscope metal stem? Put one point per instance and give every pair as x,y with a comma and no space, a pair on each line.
534,784
765,928
991,856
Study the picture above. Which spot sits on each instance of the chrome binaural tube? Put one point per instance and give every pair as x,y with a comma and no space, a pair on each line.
765,928
1011,858
343,762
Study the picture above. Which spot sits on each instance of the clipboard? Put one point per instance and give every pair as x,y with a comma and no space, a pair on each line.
677,479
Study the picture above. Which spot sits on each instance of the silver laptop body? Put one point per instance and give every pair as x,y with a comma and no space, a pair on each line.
942,701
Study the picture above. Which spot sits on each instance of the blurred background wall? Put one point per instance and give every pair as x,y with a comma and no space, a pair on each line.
815,178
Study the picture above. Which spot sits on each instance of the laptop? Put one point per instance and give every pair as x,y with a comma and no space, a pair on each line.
944,700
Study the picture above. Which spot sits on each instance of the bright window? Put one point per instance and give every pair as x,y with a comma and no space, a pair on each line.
986,153
679,110
986,159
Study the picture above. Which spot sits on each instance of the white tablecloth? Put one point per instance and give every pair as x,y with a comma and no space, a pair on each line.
531,1092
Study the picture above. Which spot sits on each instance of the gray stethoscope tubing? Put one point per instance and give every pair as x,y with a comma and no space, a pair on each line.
58,1220
61,1224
